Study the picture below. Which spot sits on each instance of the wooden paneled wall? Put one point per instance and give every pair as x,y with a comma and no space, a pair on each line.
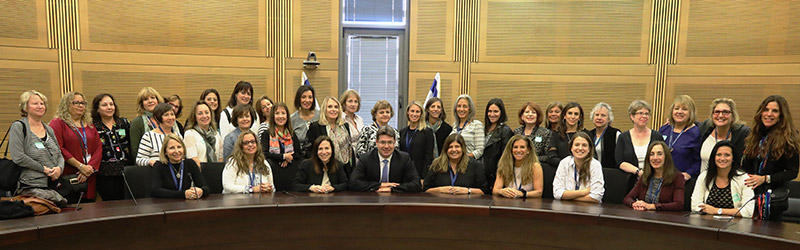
519,50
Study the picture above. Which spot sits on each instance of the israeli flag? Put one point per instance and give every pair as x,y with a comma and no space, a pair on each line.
304,81
436,88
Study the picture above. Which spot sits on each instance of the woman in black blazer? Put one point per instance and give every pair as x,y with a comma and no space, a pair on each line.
281,147
635,139
497,135
455,173
571,122
724,125
604,135
332,120
435,119
322,173
416,139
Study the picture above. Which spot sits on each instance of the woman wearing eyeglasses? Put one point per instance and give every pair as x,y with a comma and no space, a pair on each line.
80,143
724,125
632,144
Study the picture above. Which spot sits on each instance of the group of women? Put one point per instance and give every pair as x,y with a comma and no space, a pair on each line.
739,171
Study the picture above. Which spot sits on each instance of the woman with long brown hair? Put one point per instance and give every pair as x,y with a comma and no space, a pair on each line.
519,173
247,170
661,186
579,176
322,173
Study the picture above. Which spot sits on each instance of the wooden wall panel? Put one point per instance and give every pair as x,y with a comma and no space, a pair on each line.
214,27
756,31
125,81
618,91
431,30
315,27
564,31
23,23
19,76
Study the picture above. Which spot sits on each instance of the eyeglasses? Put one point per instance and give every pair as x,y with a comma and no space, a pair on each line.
722,112
642,113
249,142
79,103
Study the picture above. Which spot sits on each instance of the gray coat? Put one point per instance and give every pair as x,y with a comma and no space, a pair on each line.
31,154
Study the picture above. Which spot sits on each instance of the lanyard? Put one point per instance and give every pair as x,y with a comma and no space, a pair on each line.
518,185
458,130
766,156
409,137
658,189
82,134
152,124
728,136
252,177
597,140
453,175
671,131
178,184
577,183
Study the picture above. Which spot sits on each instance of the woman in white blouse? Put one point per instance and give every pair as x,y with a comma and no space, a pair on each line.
471,130
203,142
247,170
579,176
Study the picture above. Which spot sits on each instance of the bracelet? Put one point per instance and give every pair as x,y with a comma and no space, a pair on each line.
524,193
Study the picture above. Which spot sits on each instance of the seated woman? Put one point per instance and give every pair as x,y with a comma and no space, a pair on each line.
661,186
453,172
721,189
151,144
34,148
322,173
579,176
281,147
519,173
175,177
247,170
241,119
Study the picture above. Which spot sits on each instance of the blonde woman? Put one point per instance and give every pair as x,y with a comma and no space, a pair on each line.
247,171
519,173
146,101
333,125
416,139
175,177
683,137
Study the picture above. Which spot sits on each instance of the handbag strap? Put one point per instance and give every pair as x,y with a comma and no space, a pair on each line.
24,134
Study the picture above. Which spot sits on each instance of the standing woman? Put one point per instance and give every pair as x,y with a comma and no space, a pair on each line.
471,130
34,148
724,125
150,146
683,137
553,115
382,112
175,177
661,186
247,171
211,97
352,104
281,147
416,139
114,132
322,173
454,173
721,189
334,127
771,157
242,95
242,120
571,122
263,108
435,119
604,148
519,173
305,102
632,144
530,117
79,141
496,135
579,176
177,108
146,101
203,142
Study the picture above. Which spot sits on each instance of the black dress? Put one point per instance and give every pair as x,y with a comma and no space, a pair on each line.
474,177
306,177
282,176
419,145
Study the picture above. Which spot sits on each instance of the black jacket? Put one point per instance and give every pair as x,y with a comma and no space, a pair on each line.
474,177
421,148
367,174
609,146
738,133
306,177
493,149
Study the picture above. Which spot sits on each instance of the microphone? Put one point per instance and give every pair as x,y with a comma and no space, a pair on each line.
78,206
289,194
192,184
745,204
125,178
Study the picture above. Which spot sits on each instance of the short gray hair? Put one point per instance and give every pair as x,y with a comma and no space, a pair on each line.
637,105
603,105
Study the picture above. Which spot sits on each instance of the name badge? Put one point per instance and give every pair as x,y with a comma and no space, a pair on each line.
121,132
88,158
537,139
664,137
39,145
736,197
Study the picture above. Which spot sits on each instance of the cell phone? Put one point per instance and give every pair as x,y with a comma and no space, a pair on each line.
73,181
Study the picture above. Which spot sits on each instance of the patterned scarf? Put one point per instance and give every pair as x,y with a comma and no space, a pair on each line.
284,140
209,136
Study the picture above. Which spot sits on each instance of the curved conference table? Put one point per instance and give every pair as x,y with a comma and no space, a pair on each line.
371,221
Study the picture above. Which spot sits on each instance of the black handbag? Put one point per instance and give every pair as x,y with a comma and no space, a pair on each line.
66,186
9,171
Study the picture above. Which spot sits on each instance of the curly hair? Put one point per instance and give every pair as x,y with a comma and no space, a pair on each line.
63,109
240,158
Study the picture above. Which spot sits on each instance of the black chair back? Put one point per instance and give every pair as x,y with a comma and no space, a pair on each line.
793,214
687,194
549,173
616,185
212,171
139,180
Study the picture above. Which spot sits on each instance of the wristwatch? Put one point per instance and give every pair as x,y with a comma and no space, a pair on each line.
469,191
250,190
767,179
719,210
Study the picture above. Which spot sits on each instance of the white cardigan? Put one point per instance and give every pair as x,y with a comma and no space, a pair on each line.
196,146
739,193
233,183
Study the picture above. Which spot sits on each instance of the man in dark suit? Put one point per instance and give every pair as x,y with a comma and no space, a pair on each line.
385,169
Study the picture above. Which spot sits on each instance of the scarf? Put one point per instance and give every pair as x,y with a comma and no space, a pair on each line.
282,143
209,136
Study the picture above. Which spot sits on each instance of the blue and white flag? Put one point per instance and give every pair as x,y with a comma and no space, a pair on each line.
304,81
435,90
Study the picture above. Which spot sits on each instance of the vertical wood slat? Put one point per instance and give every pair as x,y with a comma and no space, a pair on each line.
282,34
664,52
466,30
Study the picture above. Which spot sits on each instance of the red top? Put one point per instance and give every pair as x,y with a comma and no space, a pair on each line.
670,198
70,144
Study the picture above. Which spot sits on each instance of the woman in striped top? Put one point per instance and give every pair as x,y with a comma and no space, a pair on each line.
263,107
471,130
150,145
